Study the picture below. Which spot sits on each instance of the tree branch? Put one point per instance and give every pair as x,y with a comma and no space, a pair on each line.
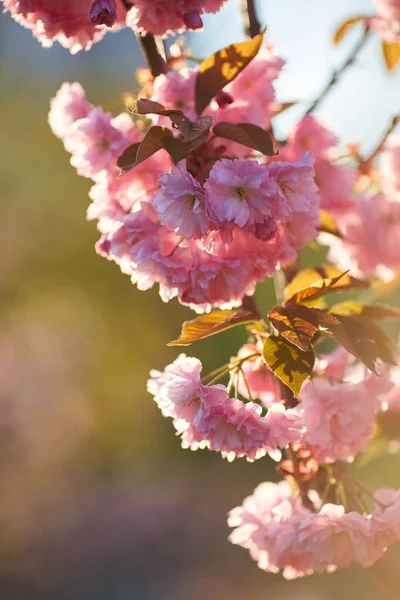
393,124
153,58
149,48
336,74
251,22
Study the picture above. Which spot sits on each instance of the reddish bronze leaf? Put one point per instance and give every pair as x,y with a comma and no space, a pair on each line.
190,130
246,134
298,323
210,324
155,139
311,284
127,160
218,69
374,312
291,365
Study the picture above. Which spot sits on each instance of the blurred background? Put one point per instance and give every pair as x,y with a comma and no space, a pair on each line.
97,500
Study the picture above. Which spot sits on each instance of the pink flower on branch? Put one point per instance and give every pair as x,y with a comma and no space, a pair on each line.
206,417
181,203
68,23
282,535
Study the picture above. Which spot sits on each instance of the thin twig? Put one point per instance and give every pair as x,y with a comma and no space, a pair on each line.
393,124
251,22
337,73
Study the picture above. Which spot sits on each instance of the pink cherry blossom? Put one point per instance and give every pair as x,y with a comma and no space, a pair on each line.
390,169
267,509
240,193
371,240
113,197
177,389
175,89
207,417
96,141
339,417
68,105
297,188
335,185
160,17
385,518
387,23
181,203
203,273
56,20
335,364
282,535
259,379
309,135
334,538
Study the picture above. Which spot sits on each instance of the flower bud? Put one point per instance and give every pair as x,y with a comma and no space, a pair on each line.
103,12
223,99
193,21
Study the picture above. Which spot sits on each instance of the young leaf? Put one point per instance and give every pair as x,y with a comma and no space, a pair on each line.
355,339
216,71
298,324
190,130
291,365
145,106
310,284
391,54
210,324
362,338
127,160
345,27
375,312
328,224
246,134
155,139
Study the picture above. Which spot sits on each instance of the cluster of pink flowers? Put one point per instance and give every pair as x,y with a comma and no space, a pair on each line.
206,417
335,181
281,534
370,245
78,24
210,241
369,223
339,415
68,23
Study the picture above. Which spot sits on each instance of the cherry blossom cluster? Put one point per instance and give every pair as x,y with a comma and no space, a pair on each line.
78,24
206,416
333,420
371,222
208,229
196,194
281,534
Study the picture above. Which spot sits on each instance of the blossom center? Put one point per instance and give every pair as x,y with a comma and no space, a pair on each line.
240,193
191,199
